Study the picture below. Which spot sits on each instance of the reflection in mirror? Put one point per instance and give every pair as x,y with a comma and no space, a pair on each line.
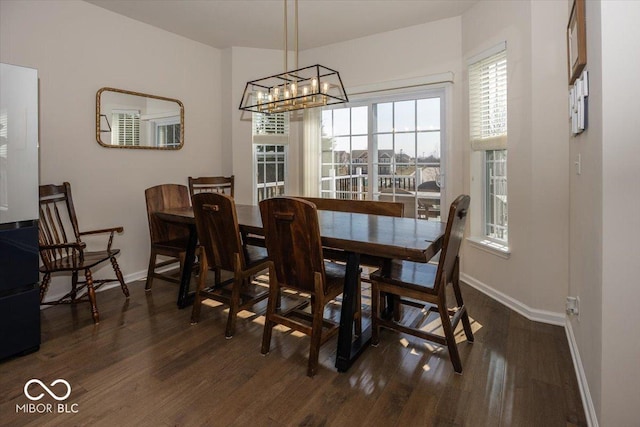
127,119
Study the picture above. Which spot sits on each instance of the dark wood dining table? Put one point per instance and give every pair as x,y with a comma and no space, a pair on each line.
374,236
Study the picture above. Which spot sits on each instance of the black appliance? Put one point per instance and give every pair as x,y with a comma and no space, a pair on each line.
19,290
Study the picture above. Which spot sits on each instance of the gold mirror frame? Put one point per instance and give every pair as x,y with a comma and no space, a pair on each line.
101,128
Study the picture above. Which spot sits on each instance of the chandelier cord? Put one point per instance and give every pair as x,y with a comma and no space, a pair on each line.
285,36
296,30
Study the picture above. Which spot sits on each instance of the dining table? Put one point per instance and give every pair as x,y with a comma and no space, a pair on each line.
377,237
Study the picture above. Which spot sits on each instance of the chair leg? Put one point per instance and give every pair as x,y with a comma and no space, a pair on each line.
317,308
233,308
197,302
92,296
44,286
151,270
458,293
272,302
74,286
448,332
123,285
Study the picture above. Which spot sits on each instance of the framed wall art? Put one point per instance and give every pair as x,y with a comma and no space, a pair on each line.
576,40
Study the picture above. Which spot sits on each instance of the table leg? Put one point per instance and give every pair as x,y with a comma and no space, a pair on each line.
348,348
185,299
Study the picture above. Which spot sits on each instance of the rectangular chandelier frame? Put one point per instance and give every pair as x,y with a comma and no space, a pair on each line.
308,87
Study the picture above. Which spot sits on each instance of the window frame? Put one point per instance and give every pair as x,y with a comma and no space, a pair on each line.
371,102
483,143
269,134
160,123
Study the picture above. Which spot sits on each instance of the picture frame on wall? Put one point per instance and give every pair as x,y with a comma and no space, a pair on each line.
576,40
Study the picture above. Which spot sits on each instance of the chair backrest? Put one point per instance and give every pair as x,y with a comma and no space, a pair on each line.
452,238
209,184
292,236
218,231
58,222
161,197
372,207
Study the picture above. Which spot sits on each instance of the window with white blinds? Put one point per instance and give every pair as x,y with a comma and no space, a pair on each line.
270,142
488,101
488,134
126,127
271,124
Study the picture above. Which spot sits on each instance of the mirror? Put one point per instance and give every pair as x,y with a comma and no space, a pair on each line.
126,119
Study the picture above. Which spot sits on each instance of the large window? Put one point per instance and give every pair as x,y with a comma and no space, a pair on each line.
385,149
270,142
488,131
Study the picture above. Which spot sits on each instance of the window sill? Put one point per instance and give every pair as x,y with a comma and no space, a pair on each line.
490,246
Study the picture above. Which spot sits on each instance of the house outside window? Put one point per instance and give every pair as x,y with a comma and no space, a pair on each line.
270,147
488,132
387,148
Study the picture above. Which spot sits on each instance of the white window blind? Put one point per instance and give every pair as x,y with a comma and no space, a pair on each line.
126,127
488,102
271,124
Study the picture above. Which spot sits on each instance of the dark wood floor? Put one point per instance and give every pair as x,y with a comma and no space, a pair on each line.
145,365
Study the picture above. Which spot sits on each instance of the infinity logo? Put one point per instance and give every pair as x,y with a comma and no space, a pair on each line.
47,389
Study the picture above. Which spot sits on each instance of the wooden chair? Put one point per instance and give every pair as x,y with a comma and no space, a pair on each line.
62,248
167,239
208,184
427,283
371,207
292,235
219,235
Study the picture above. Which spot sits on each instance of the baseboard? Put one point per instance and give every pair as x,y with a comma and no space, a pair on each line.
585,394
534,314
552,318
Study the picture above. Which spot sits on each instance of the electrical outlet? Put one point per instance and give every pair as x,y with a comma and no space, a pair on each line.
573,306
578,164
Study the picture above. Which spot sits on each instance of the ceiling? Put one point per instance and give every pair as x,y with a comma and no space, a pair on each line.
260,23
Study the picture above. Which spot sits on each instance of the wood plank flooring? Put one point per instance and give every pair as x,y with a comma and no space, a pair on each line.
145,365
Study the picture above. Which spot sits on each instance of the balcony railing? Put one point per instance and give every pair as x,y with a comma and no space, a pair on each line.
270,189
400,188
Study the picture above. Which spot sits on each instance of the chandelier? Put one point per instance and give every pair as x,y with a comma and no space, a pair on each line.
302,88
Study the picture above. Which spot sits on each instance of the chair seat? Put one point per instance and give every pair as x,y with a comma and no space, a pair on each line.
73,262
417,276
255,255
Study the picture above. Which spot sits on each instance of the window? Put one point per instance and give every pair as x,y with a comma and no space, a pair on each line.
270,139
167,132
386,149
488,132
126,127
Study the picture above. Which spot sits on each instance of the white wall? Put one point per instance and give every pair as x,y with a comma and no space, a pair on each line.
535,277
79,48
585,244
620,213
